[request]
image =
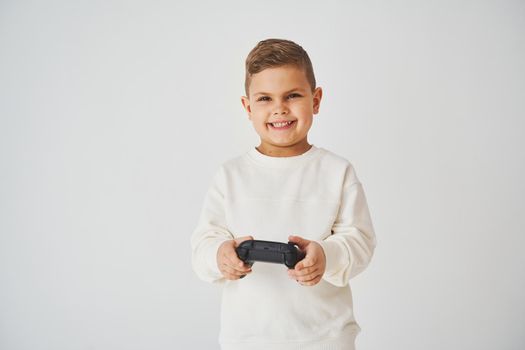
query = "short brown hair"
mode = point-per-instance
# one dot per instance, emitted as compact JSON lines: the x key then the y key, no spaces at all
{"x":271,"y":53}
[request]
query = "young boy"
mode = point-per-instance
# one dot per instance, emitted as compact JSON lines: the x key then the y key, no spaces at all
{"x":284,"y":190}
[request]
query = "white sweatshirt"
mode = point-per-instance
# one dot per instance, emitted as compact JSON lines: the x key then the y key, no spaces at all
{"x":315,"y":195}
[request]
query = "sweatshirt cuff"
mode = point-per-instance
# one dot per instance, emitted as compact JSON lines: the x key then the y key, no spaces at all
{"x":212,"y":257}
{"x":336,"y":256}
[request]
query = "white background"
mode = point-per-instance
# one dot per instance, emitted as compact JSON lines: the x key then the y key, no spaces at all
{"x":115,"y":115}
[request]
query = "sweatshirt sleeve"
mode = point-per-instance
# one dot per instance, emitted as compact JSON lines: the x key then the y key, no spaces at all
{"x":350,"y":247}
{"x":210,"y":233}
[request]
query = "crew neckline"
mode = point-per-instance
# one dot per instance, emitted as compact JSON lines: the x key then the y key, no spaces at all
{"x":282,"y":162}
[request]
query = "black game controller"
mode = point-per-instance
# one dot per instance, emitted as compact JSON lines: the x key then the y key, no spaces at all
{"x":273,"y":252}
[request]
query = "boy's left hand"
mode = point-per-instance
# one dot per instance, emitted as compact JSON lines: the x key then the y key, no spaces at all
{"x":310,"y":270}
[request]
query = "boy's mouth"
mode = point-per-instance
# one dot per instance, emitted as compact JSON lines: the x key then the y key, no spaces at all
{"x":282,"y":125}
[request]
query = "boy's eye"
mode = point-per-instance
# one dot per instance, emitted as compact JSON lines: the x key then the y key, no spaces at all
{"x":266,"y":98}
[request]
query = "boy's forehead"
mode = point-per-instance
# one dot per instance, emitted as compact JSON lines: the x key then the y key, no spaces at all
{"x":279,"y":80}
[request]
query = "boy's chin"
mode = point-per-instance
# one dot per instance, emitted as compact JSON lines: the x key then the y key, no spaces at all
{"x":279,"y":144}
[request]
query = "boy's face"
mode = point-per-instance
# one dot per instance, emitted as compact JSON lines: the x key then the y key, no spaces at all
{"x":281,"y":106}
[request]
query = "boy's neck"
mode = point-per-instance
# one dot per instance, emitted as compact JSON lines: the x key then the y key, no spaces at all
{"x":288,"y":151}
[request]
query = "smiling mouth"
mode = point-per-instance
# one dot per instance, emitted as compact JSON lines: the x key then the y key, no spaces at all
{"x":281,"y":125}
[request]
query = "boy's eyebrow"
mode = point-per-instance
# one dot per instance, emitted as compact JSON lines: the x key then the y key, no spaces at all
{"x":267,"y":93}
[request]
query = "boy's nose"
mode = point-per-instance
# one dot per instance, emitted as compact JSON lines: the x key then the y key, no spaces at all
{"x":280,"y":110}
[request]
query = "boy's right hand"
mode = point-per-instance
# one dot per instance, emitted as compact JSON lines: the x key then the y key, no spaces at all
{"x":231,"y":267}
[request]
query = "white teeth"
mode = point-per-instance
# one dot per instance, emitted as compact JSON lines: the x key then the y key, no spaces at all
{"x":280,"y":125}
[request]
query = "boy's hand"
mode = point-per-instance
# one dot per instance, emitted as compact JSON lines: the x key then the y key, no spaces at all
{"x":231,"y":267}
{"x":310,"y":270}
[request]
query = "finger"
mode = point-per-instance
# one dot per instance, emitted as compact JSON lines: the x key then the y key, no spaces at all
{"x":242,"y":239}
{"x":233,"y":257}
{"x":298,"y":271}
{"x":231,"y":277}
{"x":312,"y":282}
{"x":309,"y":277}
{"x":236,"y":263}
{"x":230,"y":258}
{"x":232,"y":271}
{"x":306,"y":271}
{"x":225,"y":272}
{"x":232,"y":274}
{"x":241,"y":269}
{"x":300,"y":241}
{"x":299,"y":266}
{"x":305,"y":263}
{"x":306,"y":277}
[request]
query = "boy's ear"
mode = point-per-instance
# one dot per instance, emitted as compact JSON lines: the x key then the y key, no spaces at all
{"x":317,"y":96}
{"x":246,"y":104}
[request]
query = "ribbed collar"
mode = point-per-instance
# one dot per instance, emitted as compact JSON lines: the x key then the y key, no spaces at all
{"x":283,"y":162}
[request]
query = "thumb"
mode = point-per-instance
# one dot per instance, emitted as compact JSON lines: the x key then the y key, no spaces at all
{"x":300,"y":241}
{"x":242,"y":239}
